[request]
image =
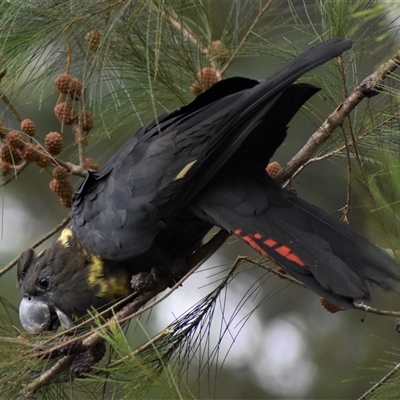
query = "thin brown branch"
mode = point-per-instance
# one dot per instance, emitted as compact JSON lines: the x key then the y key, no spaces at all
{"x":247,"y":34}
{"x":336,"y":151}
{"x":44,"y":379}
{"x":371,"y":310}
{"x":273,"y":270}
{"x":349,"y":192}
{"x":180,"y":26}
{"x":17,"y":169}
{"x":315,"y":159}
{"x":72,"y":168}
{"x":11,"y":106}
{"x":188,"y":33}
{"x":88,"y":15}
{"x":60,"y":226}
{"x":341,"y":148}
{"x":362,"y":307}
{"x":69,"y":57}
{"x":346,"y":208}
{"x":80,"y":139}
{"x":381,"y":382}
{"x":369,"y":87}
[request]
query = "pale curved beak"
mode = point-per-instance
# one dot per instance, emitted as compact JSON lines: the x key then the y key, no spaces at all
{"x":36,"y":316}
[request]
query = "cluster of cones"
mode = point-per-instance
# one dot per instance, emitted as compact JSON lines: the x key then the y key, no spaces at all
{"x":20,"y":146}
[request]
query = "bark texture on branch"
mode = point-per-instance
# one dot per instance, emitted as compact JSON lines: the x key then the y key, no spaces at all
{"x":369,"y":87}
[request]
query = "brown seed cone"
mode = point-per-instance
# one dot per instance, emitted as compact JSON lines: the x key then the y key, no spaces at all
{"x":93,"y":39}
{"x":218,"y":52}
{"x":206,"y":78}
{"x":83,"y":362}
{"x":9,"y":154}
{"x":68,"y":349}
{"x":43,"y":160}
{"x":75,"y":89}
{"x":28,"y":127}
{"x":54,"y":143}
{"x":5,"y":167}
{"x":88,"y":121}
{"x":89,"y":164}
{"x":196,"y":89}
{"x":14,"y":139}
{"x":66,"y":201}
{"x":63,"y":189}
{"x":329,"y":306}
{"x":29,"y":153}
{"x":64,"y":113}
{"x":62,"y":83}
{"x":5,"y":153}
{"x":60,"y":173}
{"x":273,"y":168}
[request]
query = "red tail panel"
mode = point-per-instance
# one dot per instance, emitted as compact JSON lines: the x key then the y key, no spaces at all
{"x":270,"y":248}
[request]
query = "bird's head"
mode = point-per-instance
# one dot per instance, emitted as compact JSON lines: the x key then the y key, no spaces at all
{"x":60,"y":284}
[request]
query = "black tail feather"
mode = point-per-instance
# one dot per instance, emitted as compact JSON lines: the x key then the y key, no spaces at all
{"x":311,"y":245}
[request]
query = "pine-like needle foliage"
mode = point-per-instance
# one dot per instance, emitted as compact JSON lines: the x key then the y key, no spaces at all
{"x":136,"y":59}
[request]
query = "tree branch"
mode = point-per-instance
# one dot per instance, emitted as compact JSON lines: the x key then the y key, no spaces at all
{"x":369,"y":87}
{"x":381,"y":382}
{"x":74,"y":169}
{"x":128,"y":312}
{"x":11,"y":106}
{"x":46,"y":377}
{"x":193,"y":263}
{"x":361,"y":307}
{"x":246,"y":36}
{"x":17,"y":169}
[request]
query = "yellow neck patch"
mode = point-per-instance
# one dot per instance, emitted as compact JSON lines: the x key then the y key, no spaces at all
{"x":110,"y":288}
{"x":66,"y":234}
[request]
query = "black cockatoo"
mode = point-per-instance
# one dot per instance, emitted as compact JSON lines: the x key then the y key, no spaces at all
{"x":199,"y":166}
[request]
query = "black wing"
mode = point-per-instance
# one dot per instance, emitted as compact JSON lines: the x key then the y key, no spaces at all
{"x":119,"y":211}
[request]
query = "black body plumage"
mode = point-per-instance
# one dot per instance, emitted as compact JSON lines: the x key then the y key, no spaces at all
{"x":119,"y":210}
{"x":204,"y":165}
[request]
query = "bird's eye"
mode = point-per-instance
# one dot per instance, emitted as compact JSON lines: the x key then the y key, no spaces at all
{"x":43,"y":283}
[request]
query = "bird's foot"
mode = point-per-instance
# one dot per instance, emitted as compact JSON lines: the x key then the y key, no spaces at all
{"x":144,"y":281}
{"x":167,"y":274}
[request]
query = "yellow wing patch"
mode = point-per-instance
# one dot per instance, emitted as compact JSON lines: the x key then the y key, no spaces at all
{"x":185,"y":170}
